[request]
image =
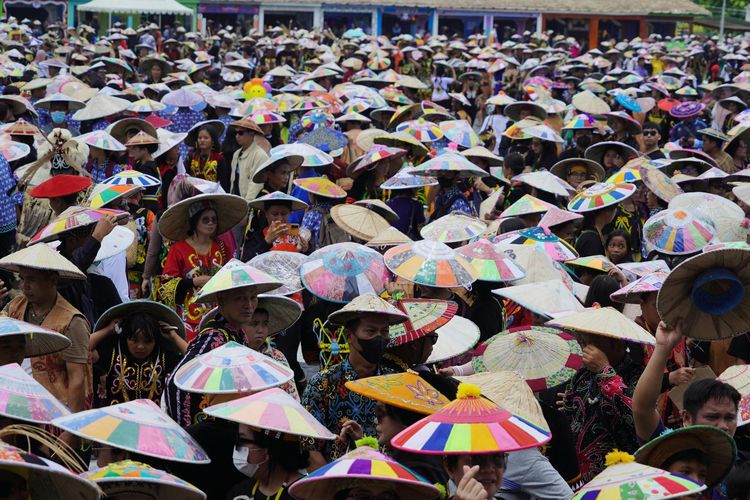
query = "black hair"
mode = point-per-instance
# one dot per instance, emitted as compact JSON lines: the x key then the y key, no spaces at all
{"x":273,"y":203}
{"x":11,"y":90}
{"x":511,"y":224}
{"x":193,"y":221}
{"x":701,"y":392}
{"x":602,"y":286}
{"x":686,"y":455}
{"x":140,"y":322}
{"x":215,"y":145}
{"x":738,"y":482}
{"x":652,"y":126}
{"x":287,"y":454}
{"x":622,"y":234}
{"x":401,"y":415}
{"x":515,"y":162}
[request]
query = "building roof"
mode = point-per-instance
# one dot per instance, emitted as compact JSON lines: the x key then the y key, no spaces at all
{"x":681,"y":8}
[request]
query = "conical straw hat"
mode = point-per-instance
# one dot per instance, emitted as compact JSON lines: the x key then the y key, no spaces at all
{"x":360,"y":222}
{"x":233,"y":275}
{"x":389,"y":237}
{"x":512,"y":392}
{"x":405,"y":390}
{"x":367,"y":303}
{"x":43,"y":258}
{"x":543,"y":298}
{"x":607,"y":322}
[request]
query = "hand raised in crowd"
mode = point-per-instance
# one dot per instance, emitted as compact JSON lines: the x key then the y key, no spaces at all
{"x":275,"y":230}
{"x":681,"y":376}
{"x":104,"y":227}
{"x":594,"y":358}
{"x":468,"y":487}
{"x":3,"y":291}
{"x":350,"y":431}
{"x":668,"y":336}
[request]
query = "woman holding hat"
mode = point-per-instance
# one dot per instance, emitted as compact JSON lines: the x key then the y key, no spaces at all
{"x":135,"y":346}
{"x":193,"y":225}
{"x":205,"y":160}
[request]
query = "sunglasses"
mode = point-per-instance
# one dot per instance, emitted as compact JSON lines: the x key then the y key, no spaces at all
{"x":650,"y":132}
{"x":239,"y":132}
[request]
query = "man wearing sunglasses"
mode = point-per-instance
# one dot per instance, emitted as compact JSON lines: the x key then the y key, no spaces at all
{"x":246,"y":159}
{"x":652,"y":140}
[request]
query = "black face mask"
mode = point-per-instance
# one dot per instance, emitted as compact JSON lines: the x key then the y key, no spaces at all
{"x":445,"y":182}
{"x":373,"y":349}
{"x":583,"y":141}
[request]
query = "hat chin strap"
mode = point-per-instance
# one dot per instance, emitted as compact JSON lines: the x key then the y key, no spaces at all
{"x":717,"y":291}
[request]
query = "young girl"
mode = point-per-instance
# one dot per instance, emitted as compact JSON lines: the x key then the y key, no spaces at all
{"x":277,"y":233}
{"x":617,"y":246}
{"x":135,"y":346}
{"x":205,"y":160}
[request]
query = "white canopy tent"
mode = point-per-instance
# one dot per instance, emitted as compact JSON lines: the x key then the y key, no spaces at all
{"x":136,"y":7}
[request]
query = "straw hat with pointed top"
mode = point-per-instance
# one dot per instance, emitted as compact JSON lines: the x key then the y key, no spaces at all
{"x":510,"y":390}
{"x":367,"y":303}
{"x":388,"y":238}
{"x":280,"y":198}
{"x":607,"y":322}
{"x":43,"y":258}
{"x":142,"y":139}
{"x":543,"y":298}
{"x":234,"y":275}
{"x":100,"y":106}
{"x":359,"y":221}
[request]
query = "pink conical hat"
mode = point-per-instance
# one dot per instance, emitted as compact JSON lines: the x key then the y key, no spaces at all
{"x":555,"y":216}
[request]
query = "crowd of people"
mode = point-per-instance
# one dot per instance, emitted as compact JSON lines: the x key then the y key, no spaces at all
{"x":292,"y":265}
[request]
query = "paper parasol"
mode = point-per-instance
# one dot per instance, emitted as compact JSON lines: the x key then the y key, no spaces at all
{"x":231,"y":369}
{"x":470,"y":425}
{"x":726,"y":215}
{"x":23,"y":398}
{"x":405,"y":390}
{"x":605,"y":321}
{"x":359,"y":221}
{"x":342,"y":271}
{"x":739,"y":377}
{"x":138,"y":426}
{"x":544,"y":357}
{"x":544,"y":298}
{"x":430,"y":263}
{"x":541,"y":238}
{"x":425,"y":316}
{"x":490,"y":263}
{"x":454,"y":338}
{"x":284,"y":267}
{"x":272,"y":410}
{"x":453,"y":227}
{"x":133,"y":177}
{"x":45,"y":478}
{"x":678,"y":231}
{"x":601,"y":195}
{"x":363,"y":467}
{"x":625,"y":479}
{"x":632,"y":293}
